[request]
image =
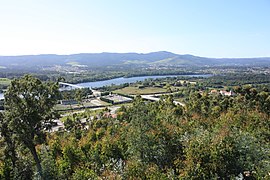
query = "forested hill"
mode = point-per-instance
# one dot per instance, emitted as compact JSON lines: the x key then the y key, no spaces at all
{"x":106,"y":59}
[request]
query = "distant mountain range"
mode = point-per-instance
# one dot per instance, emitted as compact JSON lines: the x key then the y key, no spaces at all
{"x":108,"y":59}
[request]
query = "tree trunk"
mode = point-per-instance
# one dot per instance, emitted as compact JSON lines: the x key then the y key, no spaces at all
{"x":13,"y":156}
{"x":37,"y":160}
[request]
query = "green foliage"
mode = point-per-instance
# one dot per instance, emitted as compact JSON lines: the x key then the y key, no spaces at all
{"x":48,"y":163}
{"x":29,"y":111}
{"x":77,"y":94}
{"x":211,"y":137}
{"x":84,"y":174}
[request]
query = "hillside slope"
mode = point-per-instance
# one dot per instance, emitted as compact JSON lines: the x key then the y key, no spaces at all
{"x":107,"y":59}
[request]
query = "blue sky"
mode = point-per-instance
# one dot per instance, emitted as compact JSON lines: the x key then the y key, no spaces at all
{"x":211,"y":28}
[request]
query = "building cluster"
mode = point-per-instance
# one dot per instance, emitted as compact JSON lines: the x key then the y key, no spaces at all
{"x":222,"y":92}
{"x":117,"y":99}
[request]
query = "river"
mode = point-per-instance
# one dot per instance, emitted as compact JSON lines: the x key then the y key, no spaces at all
{"x":122,"y":80}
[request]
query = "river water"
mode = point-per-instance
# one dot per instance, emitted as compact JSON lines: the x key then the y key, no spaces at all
{"x":122,"y":80}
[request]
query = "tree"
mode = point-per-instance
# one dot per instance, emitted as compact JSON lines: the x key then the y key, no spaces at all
{"x":79,"y":96}
{"x":29,"y":110}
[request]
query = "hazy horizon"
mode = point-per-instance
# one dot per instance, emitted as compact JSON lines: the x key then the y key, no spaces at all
{"x":251,"y":57}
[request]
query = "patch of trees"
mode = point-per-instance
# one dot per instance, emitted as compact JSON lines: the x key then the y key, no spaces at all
{"x":77,"y":94}
{"x":107,"y":100}
{"x":113,"y":87}
{"x":235,"y":79}
{"x":212,"y":137}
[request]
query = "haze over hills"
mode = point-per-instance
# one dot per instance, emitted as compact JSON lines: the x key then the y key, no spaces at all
{"x":108,"y":59}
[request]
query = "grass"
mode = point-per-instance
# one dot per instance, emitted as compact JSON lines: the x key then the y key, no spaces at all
{"x":60,"y":107}
{"x":137,"y":91}
{"x":175,"y":88}
{"x":5,"y":81}
{"x":75,"y":64}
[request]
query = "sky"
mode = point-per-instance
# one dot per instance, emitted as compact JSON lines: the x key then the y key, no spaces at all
{"x":208,"y":28}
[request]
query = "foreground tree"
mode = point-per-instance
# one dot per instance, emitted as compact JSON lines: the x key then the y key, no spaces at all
{"x":29,"y":110}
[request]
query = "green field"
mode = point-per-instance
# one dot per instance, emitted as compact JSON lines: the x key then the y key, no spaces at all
{"x":4,"y":81}
{"x":75,"y":64}
{"x":137,"y":91}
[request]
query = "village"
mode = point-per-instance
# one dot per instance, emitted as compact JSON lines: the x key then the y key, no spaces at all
{"x":106,"y":104}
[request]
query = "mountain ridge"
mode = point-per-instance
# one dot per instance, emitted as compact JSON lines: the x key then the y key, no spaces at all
{"x":108,"y":59}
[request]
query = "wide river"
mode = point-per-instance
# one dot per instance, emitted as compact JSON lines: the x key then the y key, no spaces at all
{"x":122,"y":80}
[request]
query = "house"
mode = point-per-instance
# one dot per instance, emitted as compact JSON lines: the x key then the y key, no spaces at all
{"x":226,"y":93}
{"x":222,"y":92}
{"x":213,"y":91}
{"x":108,"y":115}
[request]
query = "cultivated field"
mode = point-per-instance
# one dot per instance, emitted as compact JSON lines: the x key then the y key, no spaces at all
{"x":139,"y":91}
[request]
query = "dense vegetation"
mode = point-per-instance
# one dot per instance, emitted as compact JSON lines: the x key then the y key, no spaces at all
{"x":236,"y":79}
{"x":212,"y":137}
